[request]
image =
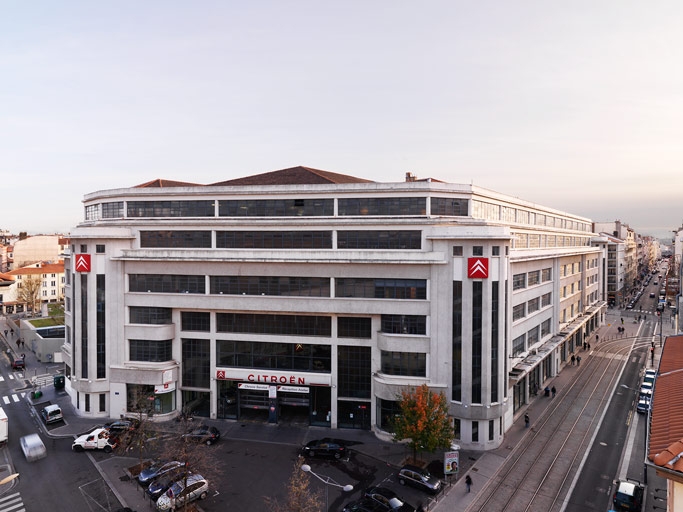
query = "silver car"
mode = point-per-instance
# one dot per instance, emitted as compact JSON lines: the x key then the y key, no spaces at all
{"x":197,"y":488}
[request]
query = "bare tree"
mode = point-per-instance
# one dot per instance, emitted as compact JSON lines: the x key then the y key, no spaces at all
{"x":300,"y":498}
{"x":29,"y":292}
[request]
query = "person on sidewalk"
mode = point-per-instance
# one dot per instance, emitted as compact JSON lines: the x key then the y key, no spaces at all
{"x":468,"y":482}
{"x":578,"y":360}
{"x":573,"y":359}
{"x":554,"y":391}
{"x":526,"y":420}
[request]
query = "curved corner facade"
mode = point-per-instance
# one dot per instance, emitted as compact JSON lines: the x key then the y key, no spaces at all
{"x":320,"y":303}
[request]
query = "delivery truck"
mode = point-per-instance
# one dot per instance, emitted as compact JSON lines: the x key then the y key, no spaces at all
{"x":4,"y":427}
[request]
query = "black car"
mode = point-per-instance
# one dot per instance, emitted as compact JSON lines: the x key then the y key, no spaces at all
{"x":326,"y":447}
{"x":123,"y":425}
{"x":202,"y":434}
{"x":419,"y":478}
{"x":157,"y":470}
{"x":161,"y":484}
{"x":365,"y":505}
{"x":388,"y":498}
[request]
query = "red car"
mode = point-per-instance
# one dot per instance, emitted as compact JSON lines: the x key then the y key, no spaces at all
{"x":18,"y":364}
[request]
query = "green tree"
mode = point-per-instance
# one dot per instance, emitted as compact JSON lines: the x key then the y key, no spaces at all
{"x":29,"y":293}
{"x":423,"y":420}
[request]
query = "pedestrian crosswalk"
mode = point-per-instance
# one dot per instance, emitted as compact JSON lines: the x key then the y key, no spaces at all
{"x":12,"y":502}
{"x":12,"y":376}
{"x":13,"y":398}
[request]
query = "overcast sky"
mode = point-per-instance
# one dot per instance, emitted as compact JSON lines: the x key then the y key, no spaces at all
{"x":573,"y":105}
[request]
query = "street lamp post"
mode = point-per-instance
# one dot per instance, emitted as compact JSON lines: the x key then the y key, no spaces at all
{"x":328,"y":482}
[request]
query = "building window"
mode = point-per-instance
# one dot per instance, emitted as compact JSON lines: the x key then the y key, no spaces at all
{"x":140,"y":398}
{"x":270,"y":285}
{"x":534,"y":278}
{"x":358,"y":206}
{"x":545,"y":328}
{"x":457,"y":250}
{"x":475,"y":431}
{"x":478,"y":250}
{"x":175,"y":239}
{"x":518,"y":281}
{"x":274,"y":239}
{"x":369,"y":288}
{"x":150,"y":315}
{"x":99,"y":248}
{"x":101,"y":322}
{"x":546,"y":274}
{"x":83,"y":248}
{"x":302,"y":357}
{"x":112,"y":210}
{"x":387,"y":411}
{"x":196,"y":363}
{"x":532,"y":336}
{"x":495,"y":321}
{"x":166,"y":283}
{"x":204,"y":208}
{"x":477,"y":340}
{"x":518,"y":345}
{"x":411,"y":364}
{"x":354,"y":327}
{"x":533,"y":305}
{"x":379,"y":240}
{"x":195,"y":321}
{"x":286,"y":325}
{"x":103,"y":402}
{"x":456,"y":342}
{"x":518,"y":311}
{"x":404,"y":324}
{"x":495,"y":250}
{"x":546,"y":299}
{"x":276,"y":208}
{"x":449,"y":207}
{"x":151,"y":351}
{"x":354,"y":371}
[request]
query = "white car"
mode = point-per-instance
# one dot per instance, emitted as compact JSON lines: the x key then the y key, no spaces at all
{"x":178,"y":493}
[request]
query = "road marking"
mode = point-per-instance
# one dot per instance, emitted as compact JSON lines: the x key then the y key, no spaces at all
{"x":11,"y":502}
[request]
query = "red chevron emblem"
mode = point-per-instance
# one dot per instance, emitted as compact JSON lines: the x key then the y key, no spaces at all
{"x":477,"y":268}
{"x":82,"y":263}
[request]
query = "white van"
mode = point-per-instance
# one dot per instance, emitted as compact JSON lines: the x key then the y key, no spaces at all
{"x":33,"y":447}
{"x":51,"y":414}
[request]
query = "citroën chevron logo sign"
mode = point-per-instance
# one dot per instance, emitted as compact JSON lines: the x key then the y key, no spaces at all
{"x":477,"y":268}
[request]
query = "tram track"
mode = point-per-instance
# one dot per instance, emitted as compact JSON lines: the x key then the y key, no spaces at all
{"x":536,"y":475}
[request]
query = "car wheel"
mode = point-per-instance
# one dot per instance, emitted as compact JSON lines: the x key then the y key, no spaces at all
{"x":107,"y":449}
{"x":203,"y":495}
{"x":209,"y":442}
{"x":78,"y":448}
{"x":337,"y":455}
{"x":401,"y":481}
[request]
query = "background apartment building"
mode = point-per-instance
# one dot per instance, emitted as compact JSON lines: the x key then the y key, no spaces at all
{"x":314,"y":297}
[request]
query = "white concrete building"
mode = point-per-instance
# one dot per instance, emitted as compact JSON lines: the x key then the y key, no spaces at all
{"x":310,"y":296}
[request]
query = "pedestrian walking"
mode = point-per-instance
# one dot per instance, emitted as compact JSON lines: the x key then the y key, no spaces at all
{"x":6,"y":331}
{"x":468,"y":482}
{"x":526,"y":420}
{"x":18,"y":343}
{"x":597,"y":338}
{"x":652,"y":355}
{"x":573,"y":359}
{"x":554,"y":391}
{"x":578,"y":360}
{"x":584,"y":345}
{"x":22,"y":343}
{"x":622,"y":320}
{"x":589,"y":346}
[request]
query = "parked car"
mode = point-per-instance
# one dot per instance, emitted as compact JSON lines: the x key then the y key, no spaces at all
{"x":326,"y":447}
{"x":122,"y":425}
{"x":365,"y":505}
{"x":419,"y":478}
{"x":389,"y":499}
{"x":202,"y":434}
{"x":162,"y":483}
{"x":18,"y":364}
{"x":643,"y":406}
{"x":157,"y":470}
{"x":652,"y":295}
{"x":179,"y":493}
{"x":51,"y":414}
{"x":628,"y":495}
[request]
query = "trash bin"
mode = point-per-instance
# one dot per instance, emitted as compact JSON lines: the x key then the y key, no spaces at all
{"x":37,"y":394}
{"x":58,"y":381}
